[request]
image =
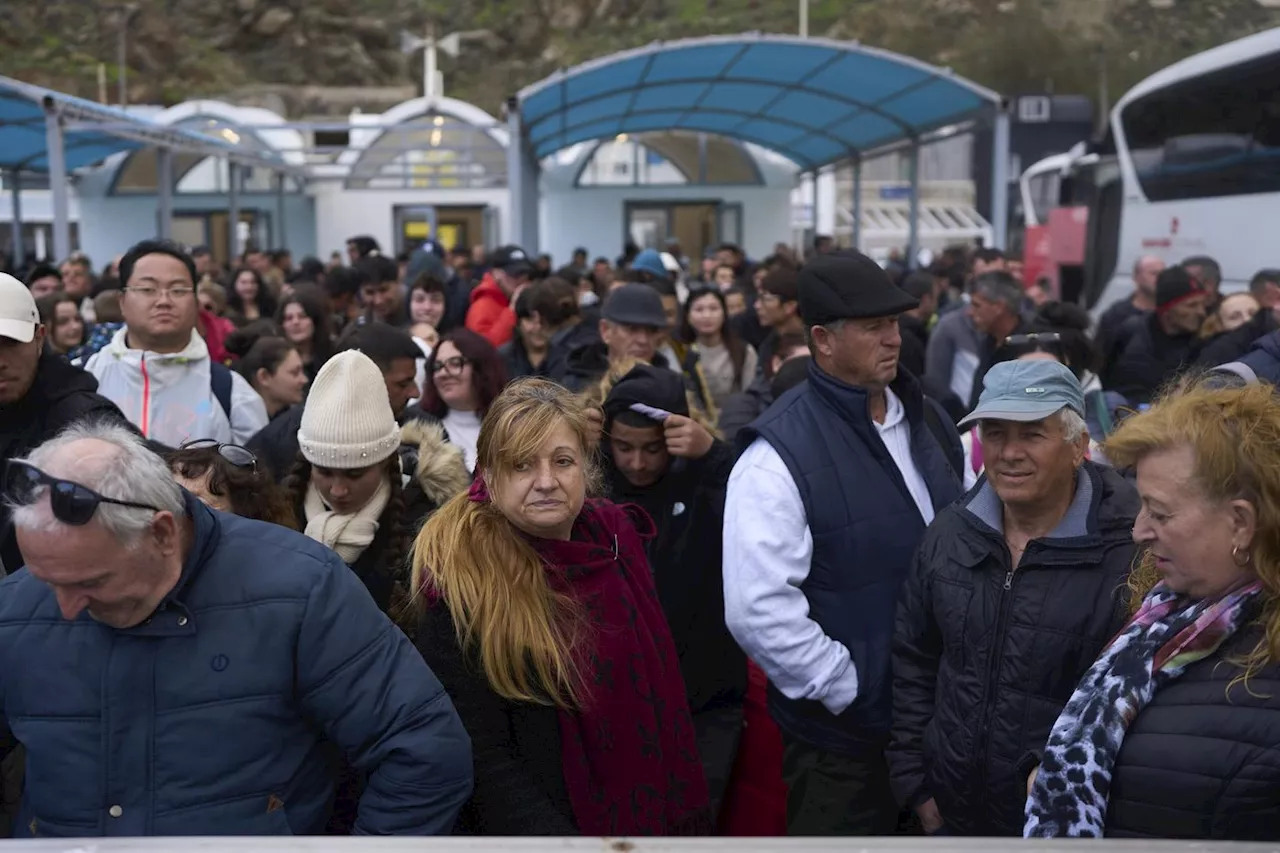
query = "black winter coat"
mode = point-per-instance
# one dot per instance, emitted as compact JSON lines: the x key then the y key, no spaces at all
{"x":60,"y":395}
{"x":519,"y":776}
{"x":1201,"y":760}
{"x":1149,"y":359}
{"x":687,"y":508}
{"x":744,"y":407}
{"x":985,"y":657}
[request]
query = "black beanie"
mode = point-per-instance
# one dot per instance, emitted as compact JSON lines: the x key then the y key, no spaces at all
{"x":1174,"y":285}
{"x":652,"y":386}
{"x":792,"y":372}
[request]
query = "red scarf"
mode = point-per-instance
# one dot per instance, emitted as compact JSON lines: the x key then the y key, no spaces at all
{"x":629,"y":755}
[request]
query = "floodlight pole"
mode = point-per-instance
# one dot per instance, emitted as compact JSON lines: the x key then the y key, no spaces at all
{"x":19,"y":249}
{"x":804,"y":19}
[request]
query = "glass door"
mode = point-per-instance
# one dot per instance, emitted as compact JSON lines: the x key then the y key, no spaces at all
{"x":414,"y":226}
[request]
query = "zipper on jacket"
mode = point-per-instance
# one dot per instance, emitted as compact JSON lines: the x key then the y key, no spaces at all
{"x":993,"y":669}
{"x":146,"y":399}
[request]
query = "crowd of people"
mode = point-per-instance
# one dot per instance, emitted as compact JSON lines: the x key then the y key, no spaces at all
{"x":460,"y":542}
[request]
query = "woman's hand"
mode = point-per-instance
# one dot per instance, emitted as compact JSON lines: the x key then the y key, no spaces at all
{"x":930,"y":818}
{"x":596,"y":417}
{"x":1031,"y":780}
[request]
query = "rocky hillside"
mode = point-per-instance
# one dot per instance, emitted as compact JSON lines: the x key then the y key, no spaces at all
{"x":178,"y":49}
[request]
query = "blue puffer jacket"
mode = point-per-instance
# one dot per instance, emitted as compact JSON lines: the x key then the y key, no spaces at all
{"x":220,"y":714}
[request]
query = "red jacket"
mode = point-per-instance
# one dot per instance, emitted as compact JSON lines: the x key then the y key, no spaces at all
{"x":490,"y":314}
{"x":214,"y":330}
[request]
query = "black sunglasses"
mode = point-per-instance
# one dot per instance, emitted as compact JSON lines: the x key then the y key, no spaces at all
{"x":71,"y":502}
{"x":241,"y":457}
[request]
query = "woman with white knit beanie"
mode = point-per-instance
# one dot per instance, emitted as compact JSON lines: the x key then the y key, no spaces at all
{"x":350,"y":488}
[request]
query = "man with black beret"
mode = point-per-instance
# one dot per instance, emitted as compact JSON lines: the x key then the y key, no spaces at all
{"x":833,"y":491}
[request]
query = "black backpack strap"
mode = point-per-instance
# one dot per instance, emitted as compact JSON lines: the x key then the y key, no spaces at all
{"x":948,"y":439}
{"x":220,"y":383}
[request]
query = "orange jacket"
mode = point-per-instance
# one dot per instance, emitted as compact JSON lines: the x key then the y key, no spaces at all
{"x":490,"y":314}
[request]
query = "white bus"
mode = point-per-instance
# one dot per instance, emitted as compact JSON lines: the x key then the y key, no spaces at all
{"x":1190,"y":166}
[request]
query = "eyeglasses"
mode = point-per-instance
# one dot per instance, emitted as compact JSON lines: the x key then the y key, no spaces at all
{"x":241,"y":457}
{"x":453,"y":366}
{"x":71,"y":502}
{"x":180,"y":291}
{"x":1033,"y":338}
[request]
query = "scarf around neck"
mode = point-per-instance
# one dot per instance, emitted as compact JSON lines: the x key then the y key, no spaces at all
{"x":351,"y":534}
{"x":1168,"y":633}
{"x":629,"y":754}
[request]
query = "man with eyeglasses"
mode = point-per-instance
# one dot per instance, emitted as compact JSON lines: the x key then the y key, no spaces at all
{"x":157,"y":369}
{"x":174,"y":670}
{"x":40,"y":393}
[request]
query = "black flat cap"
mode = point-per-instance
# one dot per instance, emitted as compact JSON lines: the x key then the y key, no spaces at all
{"x":635,"y":304}
{"x":847,"y":285}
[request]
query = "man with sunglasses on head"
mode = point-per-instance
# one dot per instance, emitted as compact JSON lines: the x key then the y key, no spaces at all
{"x":40,"y":393}
{"x":174,"y":670}
{"x":157,"y":369}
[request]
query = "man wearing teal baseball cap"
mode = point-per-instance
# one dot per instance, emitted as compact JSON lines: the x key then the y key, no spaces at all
{"x":1014,"y":590}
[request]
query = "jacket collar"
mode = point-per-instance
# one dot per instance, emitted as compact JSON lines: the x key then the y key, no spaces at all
{"x":853,"y":403}
{"x":1101,"y":513}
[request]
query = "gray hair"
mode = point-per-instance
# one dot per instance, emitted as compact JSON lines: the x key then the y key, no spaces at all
{"x":833,"y":327}
{"x":1073,"y":425}
{"x":999,"y":286}
{"x":133,"y":473}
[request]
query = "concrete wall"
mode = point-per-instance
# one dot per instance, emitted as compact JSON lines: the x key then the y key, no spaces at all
{"x":594,"y":217}
{"x":346,"y":213}
{"x":111,"y":224}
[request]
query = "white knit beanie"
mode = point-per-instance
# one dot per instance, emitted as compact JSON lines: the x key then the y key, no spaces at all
{"x":347,"y":422}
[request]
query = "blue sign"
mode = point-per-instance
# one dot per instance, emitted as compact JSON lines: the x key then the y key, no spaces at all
{"x":895,"y":193}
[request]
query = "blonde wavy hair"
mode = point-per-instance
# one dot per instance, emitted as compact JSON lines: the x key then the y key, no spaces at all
{"x":1234,"y":434}
{"x":488,"y":575}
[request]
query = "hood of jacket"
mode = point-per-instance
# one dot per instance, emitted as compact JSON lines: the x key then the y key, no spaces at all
{"x":439,"y":467}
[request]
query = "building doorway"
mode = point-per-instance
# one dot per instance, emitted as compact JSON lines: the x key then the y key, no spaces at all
{"x":697,"y":225}
{"x":448,"y":225}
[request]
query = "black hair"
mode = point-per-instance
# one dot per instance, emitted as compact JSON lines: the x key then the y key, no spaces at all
{"x":155,"y":247}
{"x":378,"y":269}
{"x":383,"y":343}
{"x":239,"y":342}
{"x":919,"y":284}
{"x":988,"y":255}
{"x":40,"y":271}
{"x":521,"y":306}
{"x":664,"y":286}
{"x":1211,"y":267}
{"x":365,"y":245}
{"x":734,"y":344}
{"x":601,"y":260}
{"x":266,"y":301}
{"x":782,"y":282}
{"x":427,"y":283}
{"x":554,"y":299}
{"x":1074,"y":348}
{"x":311,"y":299}
{"x":344,"y":281}
{"x":1262,"y":278}
{"x":267,"y":353}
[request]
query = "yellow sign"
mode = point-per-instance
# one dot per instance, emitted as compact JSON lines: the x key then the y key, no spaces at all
{"x":417,"y":230}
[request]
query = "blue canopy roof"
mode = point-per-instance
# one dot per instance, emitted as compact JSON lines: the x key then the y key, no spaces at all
{"x":93,"y":132}
{"x":815,"y":101}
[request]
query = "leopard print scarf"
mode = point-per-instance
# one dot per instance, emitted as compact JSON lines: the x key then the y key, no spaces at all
{"x":1169,"y":632}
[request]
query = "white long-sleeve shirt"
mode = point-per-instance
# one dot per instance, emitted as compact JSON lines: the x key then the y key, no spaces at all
{"x":768,"y":549}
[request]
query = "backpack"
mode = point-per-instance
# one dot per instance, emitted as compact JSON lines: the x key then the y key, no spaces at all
{"x":220,"y":384}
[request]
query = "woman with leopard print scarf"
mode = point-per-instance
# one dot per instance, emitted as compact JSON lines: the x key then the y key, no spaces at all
{"x":1173,"y":732}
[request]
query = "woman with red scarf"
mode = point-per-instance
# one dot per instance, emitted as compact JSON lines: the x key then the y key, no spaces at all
{"x":538,"y":613}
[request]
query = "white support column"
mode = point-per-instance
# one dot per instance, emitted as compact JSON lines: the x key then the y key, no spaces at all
{"x":913,"y":239}
{"x":1000,"y":153}
{"x":857,"y":203}
{"x":164,"y":185}
{"x":515,"y":172}
{"x":282,"y":239}
{"x":233,"y":212}
{"x":57,"y":181}
{"x":19,"y":248}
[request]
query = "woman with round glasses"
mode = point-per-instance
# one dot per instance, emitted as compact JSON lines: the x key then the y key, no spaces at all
{"x":467,"y":374}
{"x":227,"y":477}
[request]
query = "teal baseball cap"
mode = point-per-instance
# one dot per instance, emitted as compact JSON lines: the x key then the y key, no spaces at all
{"x":1026,"y":390}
